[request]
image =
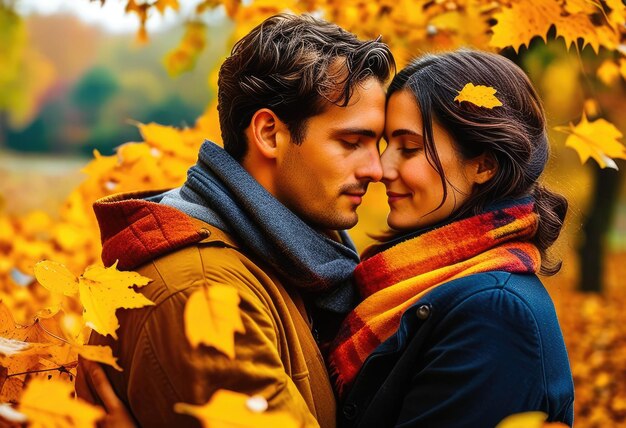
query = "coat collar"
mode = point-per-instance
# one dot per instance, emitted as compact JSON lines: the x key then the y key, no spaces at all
{"x":135,"y":231}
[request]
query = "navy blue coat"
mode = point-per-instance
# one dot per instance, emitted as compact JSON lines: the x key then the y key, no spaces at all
{"x":468,"y":354}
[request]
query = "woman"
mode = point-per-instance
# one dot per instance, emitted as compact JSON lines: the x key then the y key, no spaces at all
{"x":455,"y":328}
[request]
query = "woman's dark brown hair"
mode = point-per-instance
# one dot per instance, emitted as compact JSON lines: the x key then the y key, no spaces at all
{"x":514,"y":135}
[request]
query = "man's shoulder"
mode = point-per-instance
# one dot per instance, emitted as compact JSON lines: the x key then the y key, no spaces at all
{"x":217,"y":259}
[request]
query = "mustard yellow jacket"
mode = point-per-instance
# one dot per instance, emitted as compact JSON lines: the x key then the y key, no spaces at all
{"x":277,"y":356}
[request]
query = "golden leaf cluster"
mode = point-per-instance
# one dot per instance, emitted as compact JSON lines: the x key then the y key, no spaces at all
{"x":46,"y":312}
{"x":594,"y":328}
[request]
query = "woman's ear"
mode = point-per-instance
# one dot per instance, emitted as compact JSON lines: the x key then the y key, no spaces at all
{"x":266,"y":131}
{"x":485,"y":167}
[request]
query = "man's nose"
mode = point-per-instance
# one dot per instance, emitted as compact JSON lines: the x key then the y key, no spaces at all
{"x":371,"y":168}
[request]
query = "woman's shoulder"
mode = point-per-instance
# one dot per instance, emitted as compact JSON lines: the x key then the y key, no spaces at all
{"x":484,"y":286}
{"x":519,"y":300}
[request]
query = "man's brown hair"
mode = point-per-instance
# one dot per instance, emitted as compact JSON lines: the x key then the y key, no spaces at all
{"x":293,"y":65}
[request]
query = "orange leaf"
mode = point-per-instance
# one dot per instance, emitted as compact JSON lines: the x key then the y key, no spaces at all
{"x":229,"y":409}
{"x":482,"y":96}
{"x":212,"y":318}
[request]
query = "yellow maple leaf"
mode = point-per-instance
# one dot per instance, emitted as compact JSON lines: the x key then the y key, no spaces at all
{"x":482,"y":96}
{"x":597,"y":139}
{"x":98,"y":353}
{"x":523,"y":420}
{"x":212,"y":318}
{"x":230,"y":409}
{"x":522,"y":21}
{"x":104,"y":290}
{"x":617,"y":16}
{"x":56,"y":278}
{"x":518,"y":24}
{"x":49,"y":404}
{"x":579,"y":25}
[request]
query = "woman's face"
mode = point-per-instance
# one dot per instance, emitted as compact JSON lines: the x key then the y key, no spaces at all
{"x":414,"y":187}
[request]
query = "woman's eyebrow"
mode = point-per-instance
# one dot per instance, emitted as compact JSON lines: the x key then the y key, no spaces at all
{"x":400,"y":132}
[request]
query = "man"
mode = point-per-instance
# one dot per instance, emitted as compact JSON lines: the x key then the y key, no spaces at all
{"x":301,"y":107}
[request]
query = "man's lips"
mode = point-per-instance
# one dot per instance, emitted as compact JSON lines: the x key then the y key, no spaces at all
{"x":356,"y":197}
{"x":393,"y":196}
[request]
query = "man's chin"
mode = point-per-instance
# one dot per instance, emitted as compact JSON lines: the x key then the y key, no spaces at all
{"x":347,"y":221}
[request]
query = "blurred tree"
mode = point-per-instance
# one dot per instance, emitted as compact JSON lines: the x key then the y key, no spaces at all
{"x":25,"y":74}
{"x":95,"y":89}
{"x":596,"y":227}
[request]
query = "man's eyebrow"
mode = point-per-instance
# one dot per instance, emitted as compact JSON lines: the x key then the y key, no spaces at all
{"x":355,"y":131}
{"x":400,"y":132}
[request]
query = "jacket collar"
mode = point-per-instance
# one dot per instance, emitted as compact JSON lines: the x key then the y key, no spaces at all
{"x":135,"y":231}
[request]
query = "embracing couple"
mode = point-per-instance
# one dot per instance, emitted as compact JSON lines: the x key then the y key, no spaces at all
{"x":442,"y":323}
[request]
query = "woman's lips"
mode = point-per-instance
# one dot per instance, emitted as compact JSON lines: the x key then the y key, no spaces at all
{"x":393,"y":196}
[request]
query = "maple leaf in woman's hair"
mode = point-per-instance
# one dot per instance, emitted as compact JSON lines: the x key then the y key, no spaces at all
{"x":482,"y":96}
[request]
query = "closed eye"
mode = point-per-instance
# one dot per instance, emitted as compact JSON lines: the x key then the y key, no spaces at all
{"x":352,"y":145}
{"x":410,"y":150}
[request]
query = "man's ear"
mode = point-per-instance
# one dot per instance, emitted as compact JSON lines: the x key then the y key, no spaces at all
{"x":266,"y":131}
{"x":485,"y":167}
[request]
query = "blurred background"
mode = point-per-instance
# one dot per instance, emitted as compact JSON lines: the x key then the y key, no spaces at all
{"x":80,"y":78}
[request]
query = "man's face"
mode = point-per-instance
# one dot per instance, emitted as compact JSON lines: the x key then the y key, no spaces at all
{"x":323,"y":180}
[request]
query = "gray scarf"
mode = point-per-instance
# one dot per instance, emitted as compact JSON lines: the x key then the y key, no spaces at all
{"x":220,"y":192}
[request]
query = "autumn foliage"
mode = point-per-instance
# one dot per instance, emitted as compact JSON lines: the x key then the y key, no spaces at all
{"x":53,"y":290}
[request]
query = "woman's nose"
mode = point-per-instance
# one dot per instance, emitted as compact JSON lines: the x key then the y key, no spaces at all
{"x":389,"y":165}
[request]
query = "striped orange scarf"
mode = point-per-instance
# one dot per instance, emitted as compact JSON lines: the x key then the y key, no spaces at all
{"x":394,"y":279}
